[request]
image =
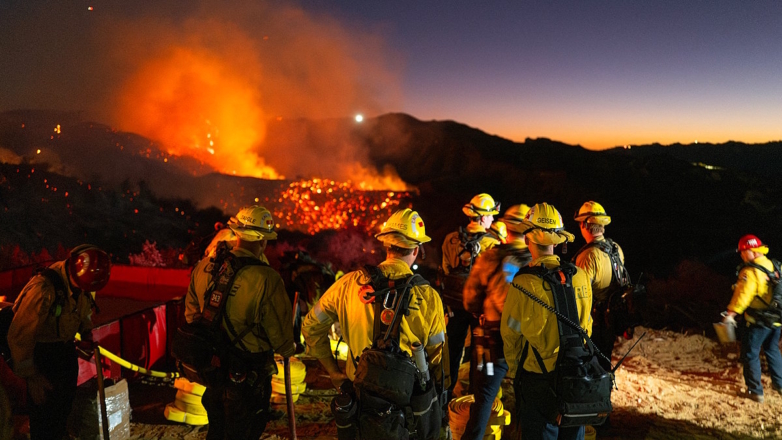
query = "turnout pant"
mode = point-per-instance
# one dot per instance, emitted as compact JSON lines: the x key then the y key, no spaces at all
{"x":753,"y":339}
{"x":57,"y":362}
{"x":457,"y":328}
{"x":602,"y":335}
{"x":238,"y":411}
{"x":485,"y":390}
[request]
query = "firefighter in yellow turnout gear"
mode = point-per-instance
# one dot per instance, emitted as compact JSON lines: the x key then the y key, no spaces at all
{"x":346,"y":302}
{"x":530,"y":333}
{"x":484,"y":296}
{"x":257,"y":308}
{"x":481,"y":211}
{"x":460,"y":248}
{"x":597,"y":265}
{"x":752,"y":296}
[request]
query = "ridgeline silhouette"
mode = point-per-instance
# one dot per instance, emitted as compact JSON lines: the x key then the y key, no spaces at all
{"x":677,"y":211}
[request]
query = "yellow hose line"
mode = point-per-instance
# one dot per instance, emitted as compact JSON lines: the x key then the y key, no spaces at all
{"x":129,"y":366}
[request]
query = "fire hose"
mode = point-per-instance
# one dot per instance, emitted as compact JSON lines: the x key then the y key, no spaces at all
{"x":132,"y":367}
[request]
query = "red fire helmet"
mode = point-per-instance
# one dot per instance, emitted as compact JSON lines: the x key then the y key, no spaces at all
{"x":89,"y":267}
{"x":749,"y":241}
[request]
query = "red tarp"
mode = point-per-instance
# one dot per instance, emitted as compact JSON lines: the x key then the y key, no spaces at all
{"x":137,"y":307}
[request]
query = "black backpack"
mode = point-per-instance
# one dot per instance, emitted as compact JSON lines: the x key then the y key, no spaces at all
{"x":392,"y":402}
{"x":60,"y":299}
{"x":202,"y":347}
{"x":452,"y":285}
{"x":770,"y":317}
{"x":578,"y":391}
{"x":625,"y":300}
{"x":620,"y":278}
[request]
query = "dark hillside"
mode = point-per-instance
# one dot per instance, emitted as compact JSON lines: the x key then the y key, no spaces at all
{"x":764,"y":159}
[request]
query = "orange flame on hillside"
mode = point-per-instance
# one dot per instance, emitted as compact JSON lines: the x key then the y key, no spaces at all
{"x":196,"y":106}
{"x":211,"y":85}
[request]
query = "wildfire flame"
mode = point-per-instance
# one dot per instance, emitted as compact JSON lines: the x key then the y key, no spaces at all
{"x":210,"y":86}
{"x":194,"y":104}
{"x":320,"y":204}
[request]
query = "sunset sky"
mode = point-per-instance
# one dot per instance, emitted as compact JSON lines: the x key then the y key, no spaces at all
{"x":594,"y":73}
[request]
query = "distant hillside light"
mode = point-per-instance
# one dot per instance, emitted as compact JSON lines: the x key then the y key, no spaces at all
{"x":359,"y":118}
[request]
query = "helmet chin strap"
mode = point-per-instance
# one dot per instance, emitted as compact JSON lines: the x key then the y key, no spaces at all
{"x":423,"y":251}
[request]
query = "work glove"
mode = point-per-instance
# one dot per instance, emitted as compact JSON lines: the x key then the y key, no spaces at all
{"x":728,"y":319}
{"x":86,"y":348}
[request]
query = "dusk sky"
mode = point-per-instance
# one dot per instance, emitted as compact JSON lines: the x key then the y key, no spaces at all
{"x":594,"y":73}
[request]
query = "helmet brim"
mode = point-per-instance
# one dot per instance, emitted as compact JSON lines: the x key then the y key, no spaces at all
{"x":592,"y":218}
{"x":548,"y":237}
{"x":246,"y":234}
{"x":399,"y":240}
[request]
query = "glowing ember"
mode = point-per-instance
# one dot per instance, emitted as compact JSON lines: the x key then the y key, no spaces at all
{"x":320,"y":204}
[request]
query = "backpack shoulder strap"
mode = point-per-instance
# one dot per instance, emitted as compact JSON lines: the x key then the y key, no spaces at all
{"x":390,"y":299}
{"x":565,"y":307}
{"x":469,"y":242}
{"x":54,"y":278}
{"x":60,"y":294}
{"x":770,"y":273}
{"x":216,"y":296}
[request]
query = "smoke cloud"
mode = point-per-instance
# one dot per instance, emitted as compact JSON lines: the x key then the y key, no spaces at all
{"x":205,"y":78}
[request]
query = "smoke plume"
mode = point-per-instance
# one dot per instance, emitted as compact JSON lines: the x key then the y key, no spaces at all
{"x":205,"y":78}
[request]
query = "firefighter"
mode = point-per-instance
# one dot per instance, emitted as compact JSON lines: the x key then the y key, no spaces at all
{"x":751,"y":295}
{"x":53,"y":306}
{"x":484,"y":296}
{"x":596,"y":263}
{"x":257,"y":308}
{"x":344,"y":302}
{"x":460,"y":248}
{"x":308,"y":278}
{"x":528,"y":329}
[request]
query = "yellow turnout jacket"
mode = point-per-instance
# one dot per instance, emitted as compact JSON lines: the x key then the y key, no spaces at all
{"x":526,"y":322}
{"x":257,"y":299}
{"x":342,"y":303}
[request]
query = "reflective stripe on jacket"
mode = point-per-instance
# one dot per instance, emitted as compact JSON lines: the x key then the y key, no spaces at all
{"x":257,"y":299}
{"x":34,"y":320}
{"x":524,"y":321}
{"x":342,"y":303}
{"x":597,"y":266}
{"x":752,"y":283}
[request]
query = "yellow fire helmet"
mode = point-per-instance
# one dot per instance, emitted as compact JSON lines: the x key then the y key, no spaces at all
{"x":404,"y":229}
{"x":592,"y":212}
{"x":514,"y":216}
{"x":482,"y":204}
{"x":253,"y":223}
{"x":543,"y":225}
{"x":500,"y":230}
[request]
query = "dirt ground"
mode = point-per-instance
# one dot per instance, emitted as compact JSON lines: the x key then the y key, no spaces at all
{"x":672,"y":386}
